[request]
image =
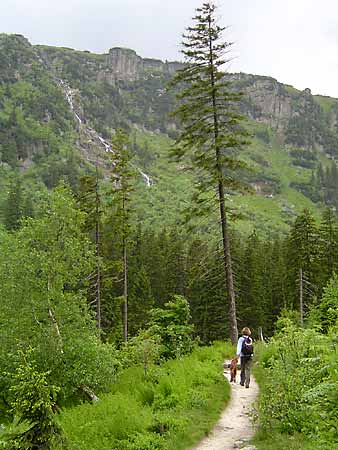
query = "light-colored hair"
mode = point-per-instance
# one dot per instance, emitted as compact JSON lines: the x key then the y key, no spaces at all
{"x":246,"y":331}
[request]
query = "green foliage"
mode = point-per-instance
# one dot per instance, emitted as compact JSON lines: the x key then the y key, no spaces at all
{"x":14,"y":208}
{"x":171,"y":325}
{"x":170,"y":409}
{"x":302,"y":253}
{"x":144,"y":349}
{"x":299,"y":386}
{"x":38,"y":134}
{"x":325,"y":183}
{"x":325,"y":315}
{"x":33,"y":402}
{"x":212,"y":135}
{"x":44,"y":270}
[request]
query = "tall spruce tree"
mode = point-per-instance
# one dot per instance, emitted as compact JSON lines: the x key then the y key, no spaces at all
{"x":13,"y":208}
{"x":122,"y":179}
{"x":211,"y":135}
{"x":302,"y":255}
{"x":90,"y":202}
{"x":328,"y":246}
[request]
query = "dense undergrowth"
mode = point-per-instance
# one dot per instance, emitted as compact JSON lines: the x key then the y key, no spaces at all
{"x":170,"y":408}
{"x":298,"y":378}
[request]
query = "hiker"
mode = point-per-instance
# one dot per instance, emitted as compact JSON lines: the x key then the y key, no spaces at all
{"x":245,"y":352}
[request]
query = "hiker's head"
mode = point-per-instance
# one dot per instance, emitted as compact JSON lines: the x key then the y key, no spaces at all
{"x":246,"y":331}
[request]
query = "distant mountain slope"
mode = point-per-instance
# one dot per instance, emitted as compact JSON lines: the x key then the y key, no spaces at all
{"x":60,"y":107}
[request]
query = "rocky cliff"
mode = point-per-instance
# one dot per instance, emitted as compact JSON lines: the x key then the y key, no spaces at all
{"x":297,"y":117}
{"x":119,"y":64}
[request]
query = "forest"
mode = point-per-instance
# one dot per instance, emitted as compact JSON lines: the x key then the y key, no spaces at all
{"x":115,"y":327}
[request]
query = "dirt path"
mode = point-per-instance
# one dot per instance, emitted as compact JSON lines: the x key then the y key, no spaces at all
{"x":234,"y":428}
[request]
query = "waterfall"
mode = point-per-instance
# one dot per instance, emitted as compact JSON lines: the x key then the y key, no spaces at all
{"x":148,"y":180}
{"x":69,"y":95}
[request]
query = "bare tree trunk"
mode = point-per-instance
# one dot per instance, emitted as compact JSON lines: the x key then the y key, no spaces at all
{"x":125,"y":282}
{"x":56,"y":327}
{"x":227,"y":262}
{"x":301,"y":302}
{"x":125,"y":295}
{"x":260,"y":334}
{"x":53,"y":319}
{"x":90,"y":394}
{"x":51,"y":315}
{"x":98,"y":262}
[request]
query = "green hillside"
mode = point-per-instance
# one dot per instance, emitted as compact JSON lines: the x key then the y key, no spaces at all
{"x":60,"y":107}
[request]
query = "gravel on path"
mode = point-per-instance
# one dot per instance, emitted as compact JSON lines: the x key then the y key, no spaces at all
{"x":235,"y":427}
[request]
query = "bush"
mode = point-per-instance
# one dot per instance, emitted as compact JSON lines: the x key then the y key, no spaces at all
{"x":171,"y":326}
{"x":170,"y":408}
{"x":34,"y":425}
{"x":298,"y":375}
{"x":327,"y":311}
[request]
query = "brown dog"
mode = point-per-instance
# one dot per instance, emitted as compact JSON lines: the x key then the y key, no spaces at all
{"x":233,"y":370}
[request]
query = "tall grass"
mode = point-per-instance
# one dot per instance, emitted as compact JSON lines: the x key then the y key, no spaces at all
{"x":170,"y":409}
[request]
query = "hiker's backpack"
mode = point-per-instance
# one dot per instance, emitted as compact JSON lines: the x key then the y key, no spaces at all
{"x":247,"y":346}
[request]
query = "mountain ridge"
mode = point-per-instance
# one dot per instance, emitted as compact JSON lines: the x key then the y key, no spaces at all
{"x":82,"y":98}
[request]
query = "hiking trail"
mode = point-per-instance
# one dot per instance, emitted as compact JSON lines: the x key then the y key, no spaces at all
{"x":234,"y":428}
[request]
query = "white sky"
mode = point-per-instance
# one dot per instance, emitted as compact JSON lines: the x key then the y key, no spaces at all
{"x":295,"y":41}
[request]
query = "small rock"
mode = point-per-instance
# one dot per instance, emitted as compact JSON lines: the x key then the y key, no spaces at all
{"x":250,"y":447}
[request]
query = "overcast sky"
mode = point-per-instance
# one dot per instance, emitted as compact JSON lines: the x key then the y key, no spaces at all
{"x":295,"y":41}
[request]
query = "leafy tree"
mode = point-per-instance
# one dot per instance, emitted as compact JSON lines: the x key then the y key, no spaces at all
{"x":144,"y":349}
{"x":154,"y":251}
{"x":44,"y":270}
{"x":252,"y":301}
{"x":205,"y":292}
{"x":211,"y":135}
{"x":277,"y":280}
{"x":171,"y":324}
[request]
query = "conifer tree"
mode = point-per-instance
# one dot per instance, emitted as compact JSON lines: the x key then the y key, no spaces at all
{"x":251,"y":299}
{"x":140,"y":298}
{"x":154,"y":250}
{"x":13,"y":209}
{"x":211,"y":134}
{"x":328,"y":245}
{"x":90,"y":202}
{"x":122,"y":180}
{"x":303,"y":256}
{"x":277,"y":276}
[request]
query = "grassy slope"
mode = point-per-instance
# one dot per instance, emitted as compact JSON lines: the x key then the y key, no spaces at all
{"x":163,"y":202}
{"x":171,"y":409}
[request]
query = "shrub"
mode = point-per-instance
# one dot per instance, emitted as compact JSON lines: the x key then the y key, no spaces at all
{"x":34,"y":425}
{"x":299,"y":385}
{"x":171,"y":326}
{"x":170,"y":408}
